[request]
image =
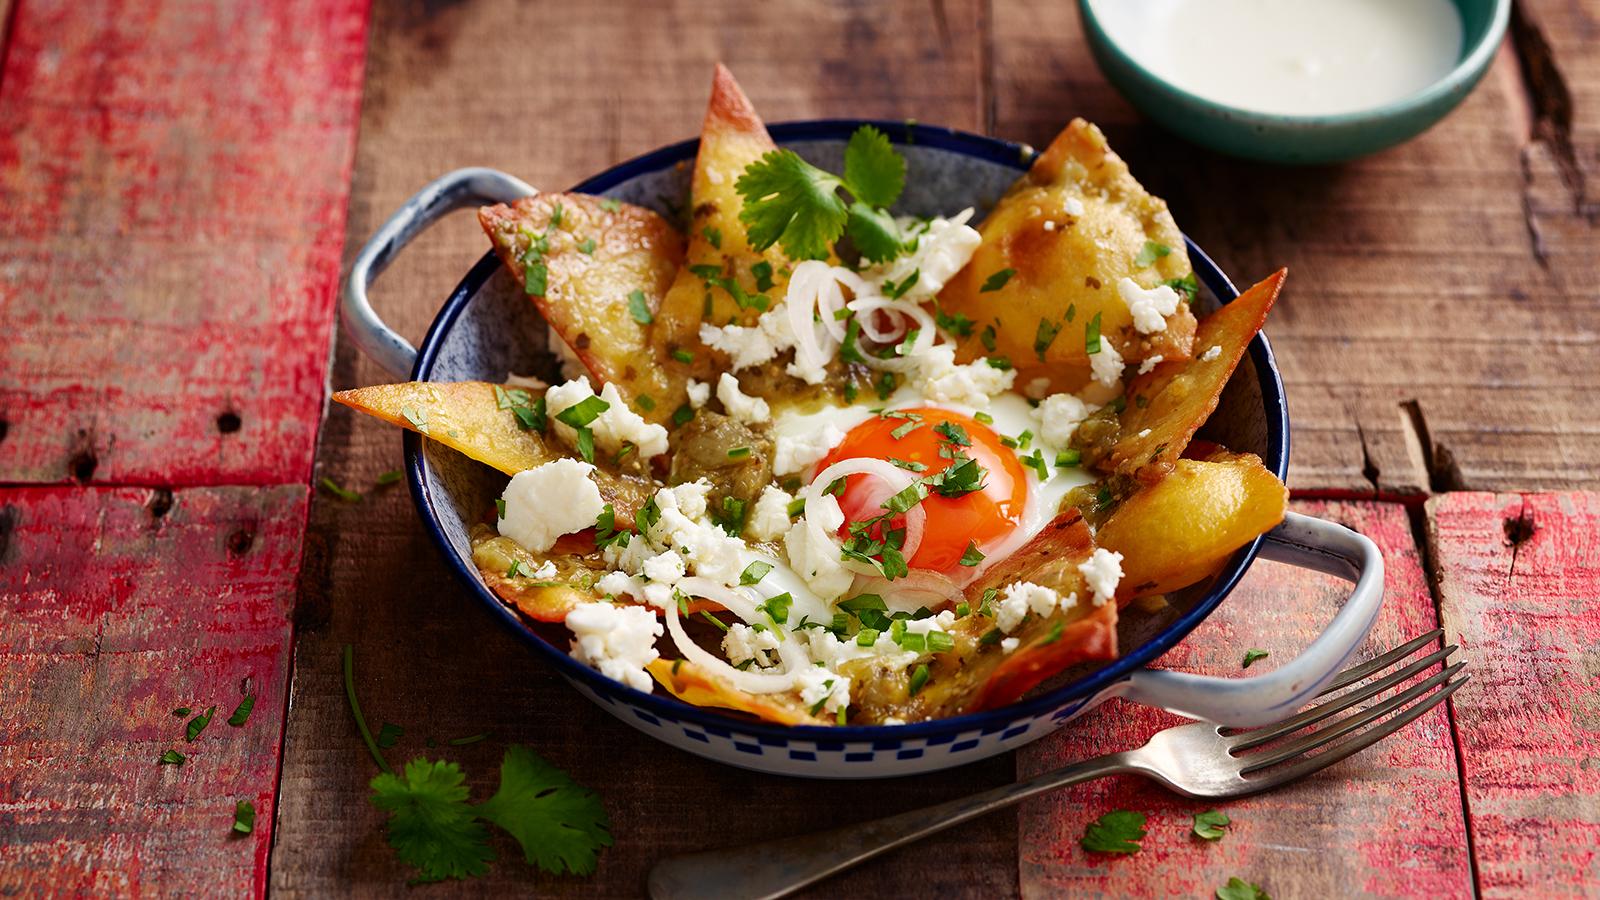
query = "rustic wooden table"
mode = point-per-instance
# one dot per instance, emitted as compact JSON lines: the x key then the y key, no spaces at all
{"x":179,"y":182}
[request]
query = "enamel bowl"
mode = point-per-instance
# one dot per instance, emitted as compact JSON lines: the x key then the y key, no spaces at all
{"x":487,"y":328}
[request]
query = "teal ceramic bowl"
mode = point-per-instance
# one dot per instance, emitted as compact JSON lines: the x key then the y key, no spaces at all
{"x":1274,"y":137}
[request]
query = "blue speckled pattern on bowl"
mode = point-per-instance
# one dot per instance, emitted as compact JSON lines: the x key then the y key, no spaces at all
{"x":487,"y":328}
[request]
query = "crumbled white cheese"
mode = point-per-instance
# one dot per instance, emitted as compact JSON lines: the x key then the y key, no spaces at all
{"x":620,"y":584}
{"x":712,"y":552}
{"x":572,"y":368}
{"x":1149,"y":306}
{"x":1073,"y":206}
{"x":699,"y":393}
{"x":628,"y":553}
{"x":743,"y":642}
{"x":941,"y":251}
{"x":819,"y":685}
{"x":525,"y":381}
{"x":618,"y":641}
{"x":942,"y":381}
{"x":753,"y":345}
{"x":800,"y":452}
{"x":1213,"y":353}
{"x":828,"y":649}
{"x":690,"y":498}
{"x":1008,"y":645}
{"x":1106,"y":366}
{"x":769,"y":519}
{"x":664,"y":567}
{"x":1037,"y":389}
{"x":1150,"y":362}
{"x":818,"y":561}
{"x":1102,"y":570}
{"x":618,"y":425}
{"x":893,"y":720}
{"x":548,"y":501}
{"x":1144,"y":433}
{"x":940,"y":622}
{"x":545,"y":572}
{"x":739,"y":405}
{"x":1059,"y":416}
{"x":1020,"y":598}
{"x":1049,"y":225}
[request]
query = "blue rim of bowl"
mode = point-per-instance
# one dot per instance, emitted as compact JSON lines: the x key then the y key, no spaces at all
{"x":1472,"y":65}
{"x":1015,"y":155}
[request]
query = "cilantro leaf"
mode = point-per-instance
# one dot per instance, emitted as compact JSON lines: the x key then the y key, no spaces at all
{"x":560,"y":824}
{"x":431,"y":826}
{"x":198,"y":724}
{"x":244,"y":817}
{"x":789,"y":201}
{"x":996,"y":281}
{"x":389,"y":735}
{"x":1118,"y":831}
{"x":172,"y":758}
{"x":874,"y":232}
{"x":1252,"y":655}
{"x":639,"y":308}
{"x":873,"y":171}
{"x":1208,"y":825}
{"x":1150,"y":252}
{"x":1239,"y":889}
{"x":241,"y":713}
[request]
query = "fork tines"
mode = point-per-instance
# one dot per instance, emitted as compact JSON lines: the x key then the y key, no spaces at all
{"x":1292,"y":755}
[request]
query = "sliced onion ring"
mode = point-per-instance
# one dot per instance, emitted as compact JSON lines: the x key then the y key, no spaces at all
{"x":752,"y":682}
{"x":897,"y":478}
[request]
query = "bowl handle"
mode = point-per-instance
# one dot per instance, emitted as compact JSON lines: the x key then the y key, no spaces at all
{"x":456,"y":190}
{"x":1248,"y":702}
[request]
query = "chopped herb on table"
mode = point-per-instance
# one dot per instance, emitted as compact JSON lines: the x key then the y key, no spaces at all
{"x":1118,"y":831}
{"x":1251,"y":655}
{"x":1239,"y":889}
{"x":172,"y":758}
{"x":198,"y":724}
{"x":241,"y":713}
{"x":244,"y":817}
{"x":1209,"y":825}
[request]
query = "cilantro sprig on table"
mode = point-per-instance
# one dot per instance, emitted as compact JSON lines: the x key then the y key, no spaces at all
{"x":560,"y":825}
{"x":790,"y":202}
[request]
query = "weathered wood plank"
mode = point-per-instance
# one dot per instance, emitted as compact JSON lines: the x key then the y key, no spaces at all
{"x":173,"y":178}
{"x":116,"y":607}
{"x":632,"y":77}
{"x":1520,"y":582}
{"x":1387,"y":822}
{"x":1433,"y":288}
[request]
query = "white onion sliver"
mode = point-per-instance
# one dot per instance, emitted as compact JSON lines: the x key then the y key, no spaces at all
{"x":898,"y":478}
{"x":938,"y":588}
{"x":751,"y":682}
{"x":925,"y":331}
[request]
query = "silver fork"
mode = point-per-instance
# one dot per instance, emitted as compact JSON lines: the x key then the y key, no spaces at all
{"x":1198,"y":760}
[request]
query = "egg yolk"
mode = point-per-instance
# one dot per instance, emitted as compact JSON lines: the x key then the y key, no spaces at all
{"x":983,"y":516}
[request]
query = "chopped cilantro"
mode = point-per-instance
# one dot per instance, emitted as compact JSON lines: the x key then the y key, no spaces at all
{"x":645,"y":402}
{"x":1239,"y":889}
{"x":585,"y":444}
{"x":172,"y":758}
{"x":500,"y":507}
{"x":583,"y":412}
{"x":940,"y":642}
{"x":639,"y":308}
{"x":1150,"y":252}
{"x":1119,"y":831}
{"x":797,"y":507}
{"x":1252,"y":655}
{"x":961,"y":478}
{"x":244,"y":817}
{"x":1044,"y":336}
{"x":996,"y":281}
{"x":763,"y":274}
{"x":953,"y":433}
{"x":181,"y":711}
{"x":713,"y":236}
{"x":739,"y":453}
{"x":706,"y":614}
{"x":919,"y":679}
{"x":1209,"y":825}
{"x":895,"y":291}
{"x":1187,"y":286}
{"x":973,"y":556}
{"x":682,"y":416}
{"x":587,"y":246}
{"x":754,"y":572}
{"x":998,"y":362}
{"x":1091,"y":336}
{"x":343,"y":493}
{"x":777,"y":608}
{"x":241,"y":713}
{"x":986,"y":337}
{"x":682,"y":355}
{"x":1054,"y":635}
{"x":389,"y":735}
{"x":392,"y":476}
{"x":907,"y":464}
{"x":198,"y":724}
{"x":913,"y":494}
{"x":1066,"y":459}
{"x":886,"y":384}
{"x":536,"y":279}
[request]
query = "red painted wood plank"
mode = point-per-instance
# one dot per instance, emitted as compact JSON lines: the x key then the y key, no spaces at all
{"x":173,"y":183}
{"x":1387,"y":822}
{"x":117,"y":606}
{"x":1520,"y":582}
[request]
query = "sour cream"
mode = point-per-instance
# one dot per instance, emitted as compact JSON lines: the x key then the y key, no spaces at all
{"x":1295,"y":57}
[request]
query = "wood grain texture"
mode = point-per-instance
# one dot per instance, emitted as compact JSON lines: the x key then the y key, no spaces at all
{"x":1385,"y":823}
{"x":1520,"y":582}
{"x":1439,"y":328}
{"x":117,"y":606}
{"x":173,"y":178}
{"x":464,"y":84}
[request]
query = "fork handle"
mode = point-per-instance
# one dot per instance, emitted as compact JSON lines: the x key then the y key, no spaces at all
{"x":779,"y":868}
